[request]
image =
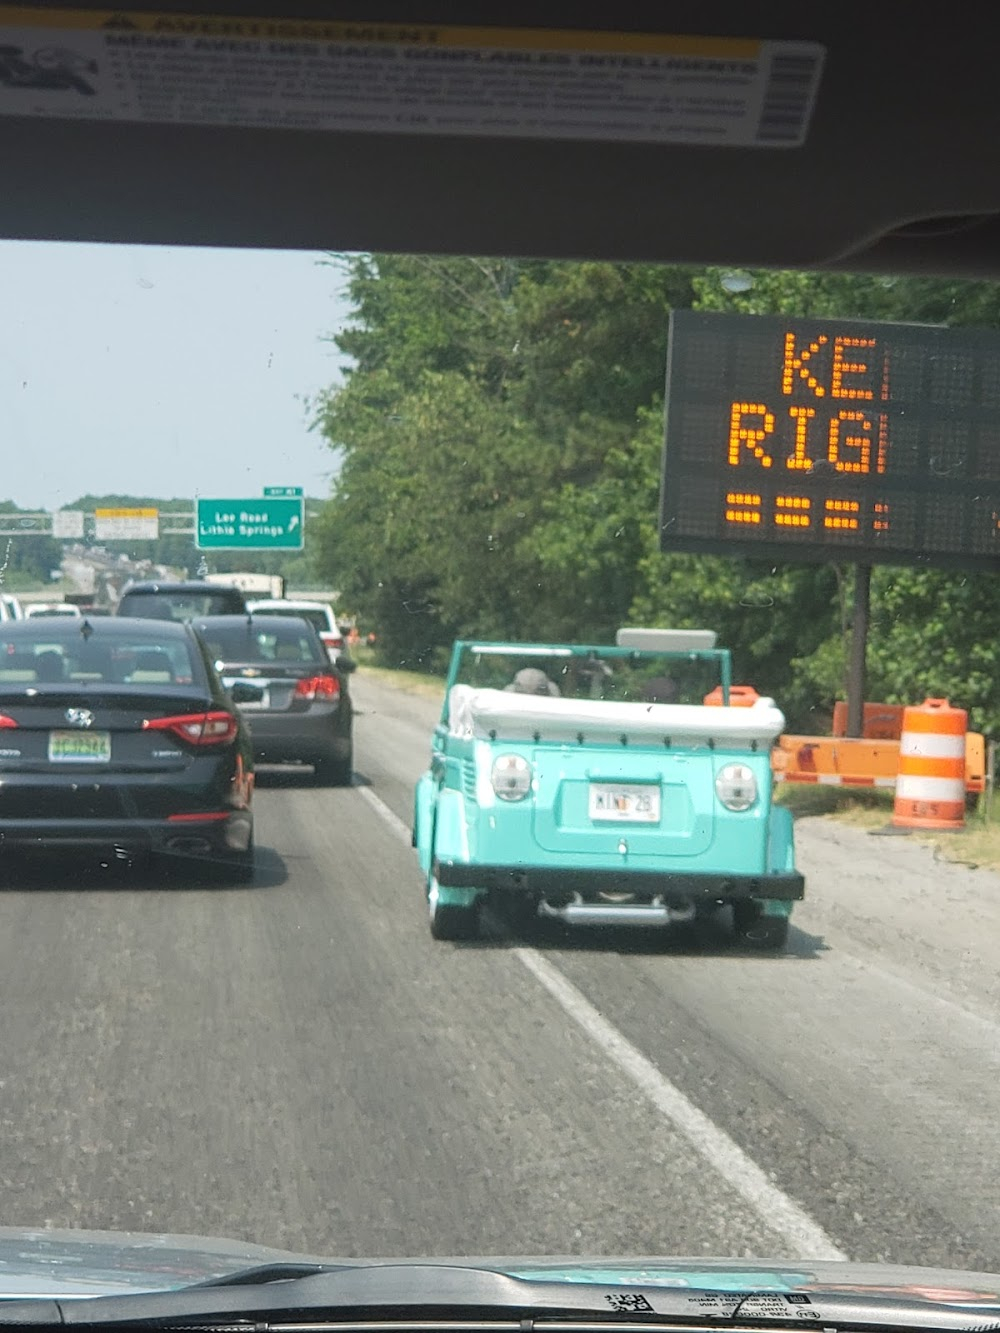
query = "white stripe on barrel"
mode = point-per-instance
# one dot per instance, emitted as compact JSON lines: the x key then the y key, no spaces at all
{"x":911,"y":788}
{"x":923,"y":745}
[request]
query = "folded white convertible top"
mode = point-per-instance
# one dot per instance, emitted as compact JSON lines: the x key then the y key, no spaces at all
{"x":497,"y":714}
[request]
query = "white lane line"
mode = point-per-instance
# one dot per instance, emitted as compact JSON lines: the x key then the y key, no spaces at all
{"x":806,"y":1239}
{"x":400,"y":829}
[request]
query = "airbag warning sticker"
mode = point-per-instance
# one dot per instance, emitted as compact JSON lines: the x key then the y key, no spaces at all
{"x":392,"y":78}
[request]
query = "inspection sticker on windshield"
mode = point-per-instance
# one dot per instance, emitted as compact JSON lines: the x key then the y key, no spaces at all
{"x":405,"y":78}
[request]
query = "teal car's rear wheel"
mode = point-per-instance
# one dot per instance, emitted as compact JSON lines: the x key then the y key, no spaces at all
{"x":756,"y":930}
{"x":451,"y":920}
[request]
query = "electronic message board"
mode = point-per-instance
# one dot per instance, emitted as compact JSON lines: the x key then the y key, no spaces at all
{"x":828,"y":439}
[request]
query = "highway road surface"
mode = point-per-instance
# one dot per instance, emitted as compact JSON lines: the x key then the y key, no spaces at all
{"x":297,"y":1063}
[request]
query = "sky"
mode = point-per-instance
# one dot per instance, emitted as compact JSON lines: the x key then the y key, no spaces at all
{"x":163,"y":372}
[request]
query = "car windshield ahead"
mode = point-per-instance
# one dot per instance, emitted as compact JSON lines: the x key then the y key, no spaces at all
{"x":316,"y":616}
{"x":595,"y":673}
{"x":135,"y":659}
{"x":179,"y":605}
{"x":248,"y":641}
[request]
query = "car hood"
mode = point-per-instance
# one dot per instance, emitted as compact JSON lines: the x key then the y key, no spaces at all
{"x":68,"y":1264}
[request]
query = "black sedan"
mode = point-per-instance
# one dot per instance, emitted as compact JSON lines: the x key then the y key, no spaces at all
{"x":302,"y":709}
{"x":117,"y":734}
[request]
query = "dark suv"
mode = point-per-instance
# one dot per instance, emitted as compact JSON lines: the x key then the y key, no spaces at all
{"x":187,"y":600}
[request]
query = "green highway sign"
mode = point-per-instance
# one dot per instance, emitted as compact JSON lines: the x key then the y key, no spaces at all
{"x":254,"y":524}
{"x":276,"y":491}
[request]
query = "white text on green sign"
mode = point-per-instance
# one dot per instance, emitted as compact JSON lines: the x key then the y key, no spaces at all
{"x":250,"y":523}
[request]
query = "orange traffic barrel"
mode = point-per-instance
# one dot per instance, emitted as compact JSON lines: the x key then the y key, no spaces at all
{"x":930,"y":783}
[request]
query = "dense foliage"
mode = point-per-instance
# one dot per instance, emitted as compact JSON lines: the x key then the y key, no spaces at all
{"x":499,"y":434}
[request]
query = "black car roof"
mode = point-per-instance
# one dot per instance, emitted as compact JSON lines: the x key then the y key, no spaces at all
{"x":49,"y":628}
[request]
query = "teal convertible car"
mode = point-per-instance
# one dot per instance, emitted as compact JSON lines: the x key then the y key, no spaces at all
{"x":602,"y":784}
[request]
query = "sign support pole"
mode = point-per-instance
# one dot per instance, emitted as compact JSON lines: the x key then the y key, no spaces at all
{"x":856,"y":670}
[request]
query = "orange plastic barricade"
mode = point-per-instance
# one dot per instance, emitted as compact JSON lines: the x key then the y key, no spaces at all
{"x":840,"y":762}
{"x":740,"y":696}
{"x":834,"y":762}
{"x":880,"y":722}
{"x":930,"y":785}
{"x":975,"y":761}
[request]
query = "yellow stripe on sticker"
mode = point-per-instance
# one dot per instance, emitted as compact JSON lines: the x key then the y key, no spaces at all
{"x":427,"y":34}
{"x":580,"y":39}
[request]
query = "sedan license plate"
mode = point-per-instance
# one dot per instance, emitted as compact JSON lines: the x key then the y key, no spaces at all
{"x":255,"y":705}
{"x":249,"y":705}
{"x":79,"y":747}
{"x":633,"y":804}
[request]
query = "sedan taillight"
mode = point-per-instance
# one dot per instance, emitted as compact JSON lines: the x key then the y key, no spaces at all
{"x":6,"y":721}
{"x":197,"y":728}
{"x":318,"y":687}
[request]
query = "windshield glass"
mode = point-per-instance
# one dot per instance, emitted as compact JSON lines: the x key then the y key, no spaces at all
{"x":316,"y":617}
{"x":179,"y":605}
{"x":130,"y":660}
{"x":243,"y":642}
{"x":625,"y":677}
{"x":598,"y":965}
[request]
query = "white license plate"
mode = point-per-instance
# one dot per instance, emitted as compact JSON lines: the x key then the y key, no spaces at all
{"x":79,"y":747}
{"x":255,"y":705}
{"x":251,"y":705}
{"x":632,"y":804}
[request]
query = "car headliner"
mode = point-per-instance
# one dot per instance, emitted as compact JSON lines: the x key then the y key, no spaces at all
{"x":893,"y":174}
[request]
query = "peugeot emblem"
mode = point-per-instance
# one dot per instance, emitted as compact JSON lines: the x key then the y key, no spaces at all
{"x":79,"y":717}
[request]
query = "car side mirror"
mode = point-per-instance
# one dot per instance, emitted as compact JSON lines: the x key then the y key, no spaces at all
{"x":347,"y":665}
{"x":242,"y":692}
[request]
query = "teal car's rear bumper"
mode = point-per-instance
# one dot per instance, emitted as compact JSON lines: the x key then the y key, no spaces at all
{"x":558,"y":884}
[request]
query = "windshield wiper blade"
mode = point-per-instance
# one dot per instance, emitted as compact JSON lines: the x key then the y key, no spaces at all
{"x":264,"y":1273}
{"x":400,"y":1293}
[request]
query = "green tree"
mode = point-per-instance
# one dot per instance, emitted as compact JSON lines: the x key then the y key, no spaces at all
{"x":937,"y":634}
{"x":27,"y":560}
{"x":479,"y":391}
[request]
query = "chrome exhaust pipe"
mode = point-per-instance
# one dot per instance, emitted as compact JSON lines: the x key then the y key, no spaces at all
{"x":579,"y":913}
